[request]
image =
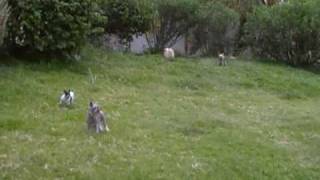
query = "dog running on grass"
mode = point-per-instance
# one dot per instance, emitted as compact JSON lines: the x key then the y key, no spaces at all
{"x":67,"y":98}
{"x":96,"y":119}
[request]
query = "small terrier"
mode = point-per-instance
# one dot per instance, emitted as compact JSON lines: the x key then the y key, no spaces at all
{"x":67,"y":98}
{"x":96,"y":120}
{"x":168,"y":53}
{"x":222,"y":59}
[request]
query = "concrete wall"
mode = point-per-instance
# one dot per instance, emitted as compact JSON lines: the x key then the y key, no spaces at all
{"x":139,"y":44}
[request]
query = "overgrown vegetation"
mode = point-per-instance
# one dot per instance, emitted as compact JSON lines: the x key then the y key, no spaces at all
{"x":127,"y":17}
{"x":216,"y":30}
{"x":55,"y":27}
{"x":288,"y":32}
{"x":4,"y":15}
{"x":172,"y":20}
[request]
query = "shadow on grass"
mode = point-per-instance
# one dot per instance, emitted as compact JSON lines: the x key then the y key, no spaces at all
{"x":43,"y":63}
{"x":315,"y":68}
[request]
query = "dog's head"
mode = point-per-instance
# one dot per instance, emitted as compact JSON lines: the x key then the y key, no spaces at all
{"x":168,"y":50}
{"x":66,"y":93}
{"x":93,"y":108}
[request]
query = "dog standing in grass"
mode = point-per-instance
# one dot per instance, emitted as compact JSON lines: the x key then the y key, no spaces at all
{"x":222,"y":59}
{"x":96,"y":119}
{"x":168,"y":53}
{"x":67,"y":98}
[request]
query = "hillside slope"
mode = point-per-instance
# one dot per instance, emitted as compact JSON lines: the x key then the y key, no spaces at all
{"x":188,"y":119}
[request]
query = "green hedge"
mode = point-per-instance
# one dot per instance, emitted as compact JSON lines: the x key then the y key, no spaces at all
{"x":127,"y":17}
{"x":288,"y":32}
{"x":212,"y":34}
{"x":55,"y":26}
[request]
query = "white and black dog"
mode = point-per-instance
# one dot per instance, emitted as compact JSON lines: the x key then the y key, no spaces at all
{"x":67,"y":98}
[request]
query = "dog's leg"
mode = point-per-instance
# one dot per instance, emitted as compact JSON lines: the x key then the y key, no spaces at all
{"x":107,"y":128}
{"x":97,"y":127}
{"x":71,"y":100}
{"x":104,"y":123}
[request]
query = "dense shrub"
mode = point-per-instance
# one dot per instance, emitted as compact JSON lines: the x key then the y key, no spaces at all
{"x":288,"y":32}
{"x":216,"y":30}
{"x":242,"y":7}
{"x":172,"y":19}
{"x":4,"y":14}
{"x":59,"y":26}
{"x":127,"y":17}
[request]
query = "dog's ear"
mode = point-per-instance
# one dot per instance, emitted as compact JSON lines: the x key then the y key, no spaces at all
{"x":69,"y":90}
{"x":90,"y":104}
{"x":65,"y":91}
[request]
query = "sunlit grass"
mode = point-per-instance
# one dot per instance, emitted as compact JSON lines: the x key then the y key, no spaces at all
{"x":188,"y":119}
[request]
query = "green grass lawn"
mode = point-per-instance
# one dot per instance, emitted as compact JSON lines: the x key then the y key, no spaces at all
{"x":188,"y":119}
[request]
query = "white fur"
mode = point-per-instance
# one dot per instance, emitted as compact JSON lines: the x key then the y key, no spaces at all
{"x":222,"y":60}
{"x":221,"y":56}
{"x":67,"y":100}
{"x":168,"y":53}
{"x":100,"y":127}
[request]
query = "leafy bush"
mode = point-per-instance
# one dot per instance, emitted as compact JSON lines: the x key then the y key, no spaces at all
{"x":127,"y":17}
{"x":288,"y":32}
{"x":216,"y":30}
{"x":4,"y":14}
{"x":59,"y":26}
{"x":242,"y":7}
{"x":173,"y":18}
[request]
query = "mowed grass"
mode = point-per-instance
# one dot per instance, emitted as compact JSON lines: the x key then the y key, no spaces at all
{"x":188,"y":119}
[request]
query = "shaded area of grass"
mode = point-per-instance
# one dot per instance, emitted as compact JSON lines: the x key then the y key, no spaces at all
{"x":188,"y":119}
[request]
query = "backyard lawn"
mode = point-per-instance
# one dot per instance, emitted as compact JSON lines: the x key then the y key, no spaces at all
{"x":187,"y":119}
